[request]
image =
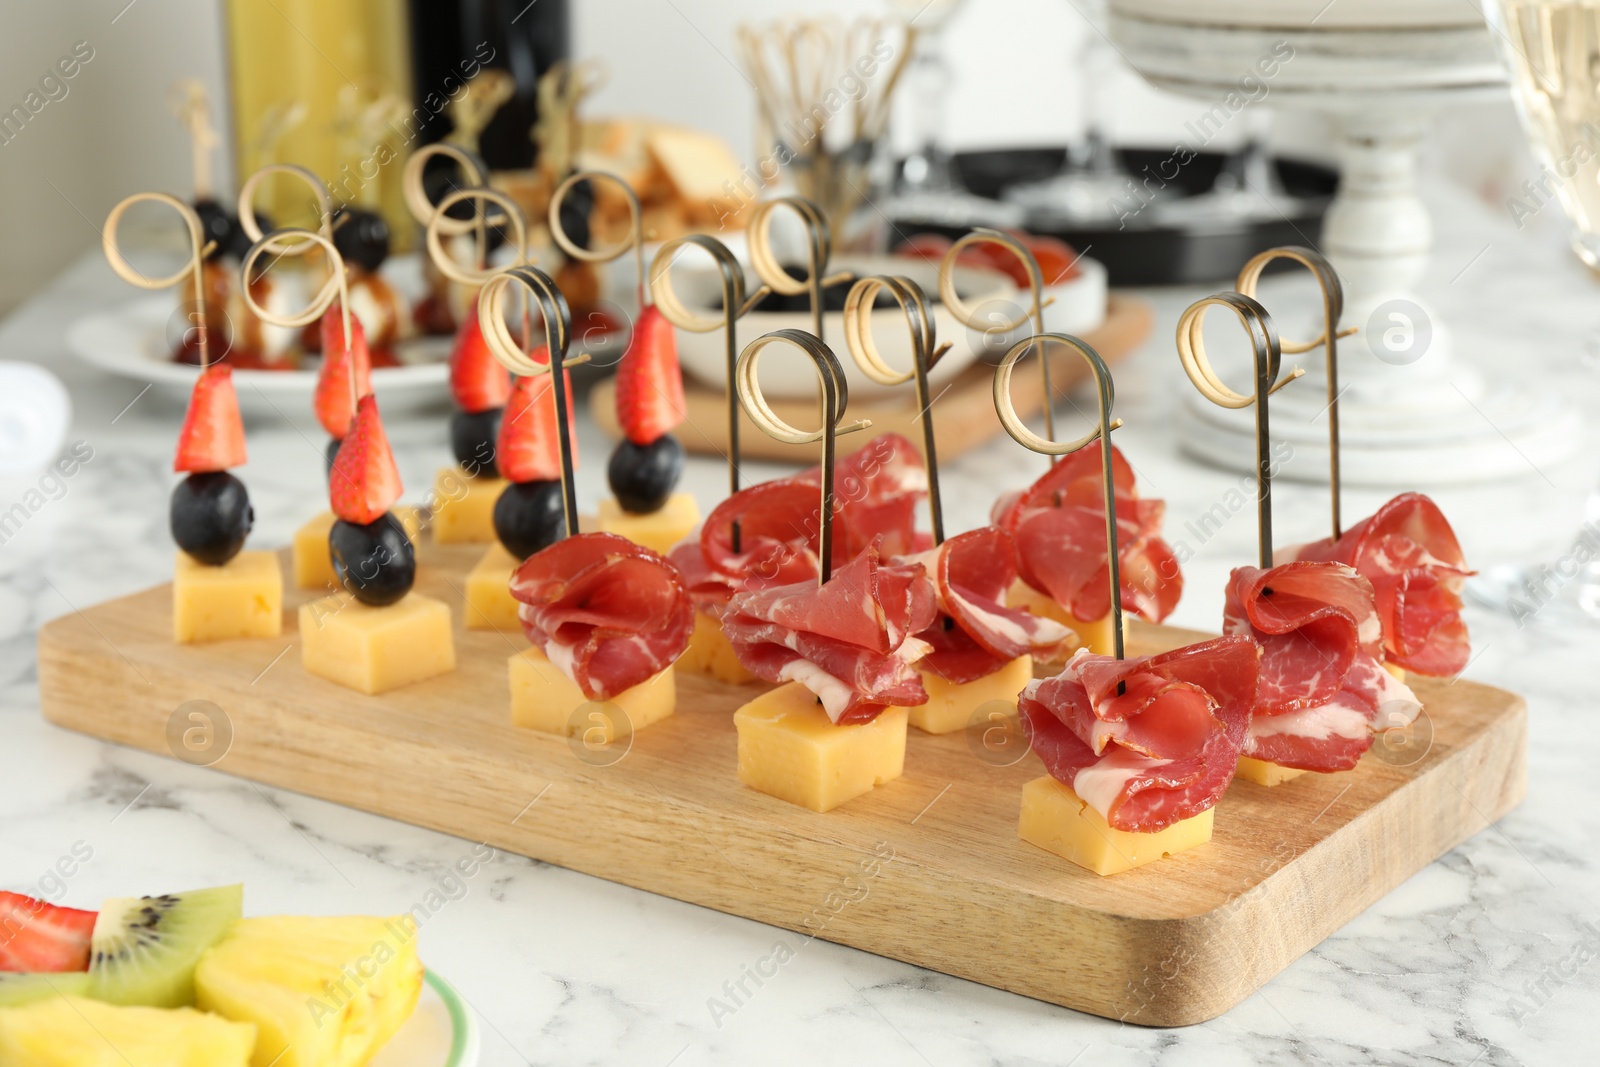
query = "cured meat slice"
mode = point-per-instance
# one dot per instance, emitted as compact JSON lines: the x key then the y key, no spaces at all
{"x":877,"y":491}
{"x":1162,"y":749}
{"x":1323,"y":685}
{"x":1058,"y":525}
{"x":1409,"y":553}
{"x":607,"y":612}
{"x":849,"y":640}
{"x":975,"y":633}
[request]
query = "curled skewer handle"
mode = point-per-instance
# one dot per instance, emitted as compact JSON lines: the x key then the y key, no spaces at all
{"x":1332,"y":309}
{"x":1264,"y":344}
{"x":925,"y":352}
{"x":438,"y":230}
{"x":819,"y":249}
{"x":682,"y":316}
{"x":247,"y":199}
{"x":635,"y":239}
{"x":194,"y":269}
{"x":557,"y":333}
{"x":1105,"y":396}
{"x":298,"y":242}
{"x":835,"y":396}
{"x":473,"y":173}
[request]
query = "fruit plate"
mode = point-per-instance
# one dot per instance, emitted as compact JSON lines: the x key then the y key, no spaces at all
{"x":927,"y":868}
{"x":440,"y":1033}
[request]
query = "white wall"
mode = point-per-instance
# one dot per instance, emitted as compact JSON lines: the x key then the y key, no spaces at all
{"x":1012,"y":83}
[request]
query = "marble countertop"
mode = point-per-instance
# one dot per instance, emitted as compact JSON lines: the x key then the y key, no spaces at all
{"x":1487,"y":956}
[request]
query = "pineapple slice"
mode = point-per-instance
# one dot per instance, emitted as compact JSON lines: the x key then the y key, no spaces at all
{"x":323,"y":991}
{"x":76,"y":1032}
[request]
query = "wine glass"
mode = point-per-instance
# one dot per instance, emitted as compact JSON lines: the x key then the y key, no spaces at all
{"x":1552,"y":49}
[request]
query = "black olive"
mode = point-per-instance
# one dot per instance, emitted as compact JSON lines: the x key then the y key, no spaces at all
{"x":219,"y":226}
{"x":643,"y":476}
{"x":361,"y":236}
{"x":376,"y":561}
{"x":211,"y":516}
{"x":472,"y":438}
{"x":529,"y":516}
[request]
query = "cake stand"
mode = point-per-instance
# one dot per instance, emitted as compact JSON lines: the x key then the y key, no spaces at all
{"x":1411,"y":411}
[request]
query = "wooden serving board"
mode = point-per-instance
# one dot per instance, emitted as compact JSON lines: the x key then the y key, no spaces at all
{"x":927,"y":869}
{"x":964,"y":407}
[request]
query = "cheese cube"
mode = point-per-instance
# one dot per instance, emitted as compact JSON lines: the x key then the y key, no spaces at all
{"x":710,"y":652}
{"x":490,"y":605}
{"x":1395,"y":669}
{"x":313,"y":562}
{"x":1094,"y":635}
{"x":1262,"y":772}
{"x":788,"y":748}
{"x":373,"y":650}
{"x":241,"y":598}
{"x":545,"y":699}
{"x":660,"y":529}
{"x":1057,"y":821}
{"x":951,"y":705}
{"x":463,"y":507}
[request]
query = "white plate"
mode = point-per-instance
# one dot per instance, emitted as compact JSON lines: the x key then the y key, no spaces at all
{"x":440,"y":1033}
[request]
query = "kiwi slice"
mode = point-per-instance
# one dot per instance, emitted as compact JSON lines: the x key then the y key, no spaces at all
{"x":144,"y":948}
{"x":18,"y":988}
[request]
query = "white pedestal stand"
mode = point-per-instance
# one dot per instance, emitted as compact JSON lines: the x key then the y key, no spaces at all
{"x":1411,"y":413}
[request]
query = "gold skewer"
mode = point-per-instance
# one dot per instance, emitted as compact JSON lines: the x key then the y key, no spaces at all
{"x":835,"y":397}
{"x":1105,"y":396}
{"x":440,"y":225}
{"x":558,"y":335}
{"x":819,"y":249}
{"x":925,"y":352}
{"x":968,"y":316}
{"x":1332,"y":308}
{"x":735,"y":303}
{"x":1268,"y":356}
{"x":295,"y":242}
{"x":473,"y":173}
{"x":247,"y":201}
{"x":199,"y":248}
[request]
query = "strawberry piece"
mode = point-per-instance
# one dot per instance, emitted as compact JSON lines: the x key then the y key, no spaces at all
{"x":39,"y":936}
{"x":333,"y":405}
{"x":528,"y":448}
{"x":477,"y":379}
{"x":649,"y":382}
{"x":212,"y":438}
{"x":364,"y":482}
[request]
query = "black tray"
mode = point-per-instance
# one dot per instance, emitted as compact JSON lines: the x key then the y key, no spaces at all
{"x":1142,"y":254}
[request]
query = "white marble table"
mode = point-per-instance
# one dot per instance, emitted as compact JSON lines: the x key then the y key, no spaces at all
{"x":1485,"y":957}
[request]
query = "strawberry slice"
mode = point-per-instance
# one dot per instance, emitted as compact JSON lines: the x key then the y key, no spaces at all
{"x":38,"y":936}
{"x":212,"y":438}
{"x":528,"y":448}
{"x":477,"y":379}
{"x":364,"y":482}
{"x":649,"y":382}
{"x":333,"y":382}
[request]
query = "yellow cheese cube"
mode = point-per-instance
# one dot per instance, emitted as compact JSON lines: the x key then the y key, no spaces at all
{"x":241,"y":598}
{"x":545,"y":699}
{"x":788,"y":748}
{"x":1094,"y":635}
{"x":1395,"y":669}
{"x":710,"y":652}
{"x":373,"y":650}
{"x":950,"y":704}
{"x":490,"y":605}
{"x":313,"y":563}
{"x":659,"y":530}
{"x":1262,"y":772}
{"x":463,"y":507}
{"x":1057,"y":821}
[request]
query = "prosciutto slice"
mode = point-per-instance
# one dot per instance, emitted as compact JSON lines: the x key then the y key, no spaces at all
{"x":1409,"y":553}
{"x":1323,"y":685}
{"x":1161,"y":750}
{"x":877,"y":491}
{"x":975,"y":634}
{"x":1059,"y":528}
{"x":607,"y":612}
{"x":850,"y":641}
